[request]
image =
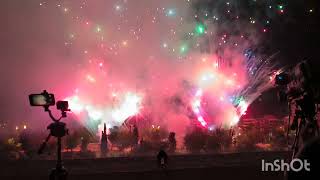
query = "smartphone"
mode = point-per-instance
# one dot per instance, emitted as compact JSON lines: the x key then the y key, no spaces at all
{"x":43,"y":99}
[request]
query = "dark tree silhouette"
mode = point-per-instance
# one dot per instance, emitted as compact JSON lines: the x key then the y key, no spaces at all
{"x":172,"y":142}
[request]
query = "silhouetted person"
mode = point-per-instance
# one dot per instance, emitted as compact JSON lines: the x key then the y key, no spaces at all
{"x":162,"y":158}
{"x":309,"y":152}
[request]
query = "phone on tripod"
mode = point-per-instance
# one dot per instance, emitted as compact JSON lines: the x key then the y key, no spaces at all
{"x":57,"y":128}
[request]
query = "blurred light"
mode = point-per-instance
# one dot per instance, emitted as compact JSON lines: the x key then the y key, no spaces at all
{"x":129,"y":107}
{"x":200,"y":28}
{"x":196,"y":110}
{"x":183,"y":48}
{"x":212,"y":128}
{"x":171,"y":12}
{"x":202,"y":121}
{"x":199,"y":92}
{"x":165,"y":45}
{"x":90,"y":78}
{"x":94,"y":114}
{"x":98,"y":28}
{"x":117,"y":7}
{"x":229,"y":82}
{"x":234,"y":120}
{"x":75,"y":104}
{"x":124,"y":43}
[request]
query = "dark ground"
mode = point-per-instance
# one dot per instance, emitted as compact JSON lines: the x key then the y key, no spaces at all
{"x":233,"y":166}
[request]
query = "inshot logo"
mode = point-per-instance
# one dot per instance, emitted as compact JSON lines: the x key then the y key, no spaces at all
{"x":280,"y":165}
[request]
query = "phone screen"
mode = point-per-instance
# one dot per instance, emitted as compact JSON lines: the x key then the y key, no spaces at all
{"x":41,"y":100}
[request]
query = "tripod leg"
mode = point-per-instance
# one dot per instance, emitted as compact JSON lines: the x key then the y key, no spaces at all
{"x":59,"y":173}
{"x":44,"y":144}
{"x":59,"y":162}
{"x":295,"y":146}
{"x":317,"y":128}
{"x":288,"y":131}
{"x":289,"y":121}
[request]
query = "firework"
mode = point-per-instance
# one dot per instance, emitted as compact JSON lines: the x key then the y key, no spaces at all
{"x":166,"y":61}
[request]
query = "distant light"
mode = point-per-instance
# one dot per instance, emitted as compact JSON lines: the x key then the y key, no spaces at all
{"x":165,"y":45}
{"x":117,"y":7}
{"x":24,"y":126}
{"x":17,"y":128}
{"x":183,"y":48}
{"x":171,"y":12}
{"x":98,"y":29}
{"x":124,"y":43}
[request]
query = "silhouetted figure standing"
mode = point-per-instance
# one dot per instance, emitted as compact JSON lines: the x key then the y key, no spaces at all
{"x":162,"y":158}
{"x":104,"y":141}
{"x":84,"y":144}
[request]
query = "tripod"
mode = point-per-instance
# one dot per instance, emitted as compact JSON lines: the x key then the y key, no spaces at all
{"x":305,"y":129}
{"x":58,"y":130}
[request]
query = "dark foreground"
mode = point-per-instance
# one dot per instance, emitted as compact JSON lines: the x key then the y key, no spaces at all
{"x":233,"y":166}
